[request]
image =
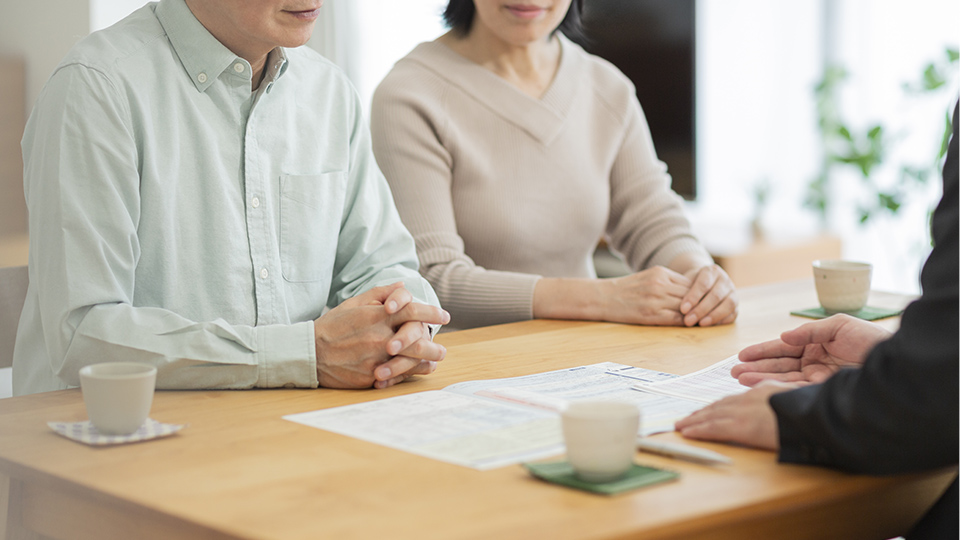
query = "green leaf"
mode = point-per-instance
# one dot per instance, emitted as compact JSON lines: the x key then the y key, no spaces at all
{"x":915,"y":175}
{"x":932,"y":79}
{"x":953,"y":55}
{"x":947,"y":132}
{"x":890,"y":201}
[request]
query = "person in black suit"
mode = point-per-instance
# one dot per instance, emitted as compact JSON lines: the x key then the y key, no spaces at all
{"x":848,"y":394}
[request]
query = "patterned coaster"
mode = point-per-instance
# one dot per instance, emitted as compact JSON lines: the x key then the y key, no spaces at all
{"x":86,"y":433}
{"x":867,"y":313}
{"x":561,"y":472}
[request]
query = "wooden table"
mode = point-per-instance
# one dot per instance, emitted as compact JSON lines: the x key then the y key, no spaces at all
{"x":240,"y":471}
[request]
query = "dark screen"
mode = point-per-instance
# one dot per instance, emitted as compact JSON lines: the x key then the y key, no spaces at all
{"x":653,"y":43}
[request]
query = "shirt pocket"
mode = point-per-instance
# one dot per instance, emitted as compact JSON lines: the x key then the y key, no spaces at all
{"x":311,"y":208}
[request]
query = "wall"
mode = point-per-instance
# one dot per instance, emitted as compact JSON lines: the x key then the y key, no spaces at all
{"x":41,"y":31}
{"x":885,"y":44}
{"x":35,"y":35}
{"x":759,"y":64}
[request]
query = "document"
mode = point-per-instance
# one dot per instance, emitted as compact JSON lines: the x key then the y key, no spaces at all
{"x":706,"y":386}
{"x":497,"y":422}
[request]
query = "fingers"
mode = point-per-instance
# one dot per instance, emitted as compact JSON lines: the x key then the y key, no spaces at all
{"x":411,"y":349}
{"x":651,"y":297}
{"x":744,"y":419}
{"x":770,"y":349}
{"x":701,"y":416}
{"x":415,"y":311}
{"x":754,"y":379}
{"x":673,"y":283}
{"x":724,"y":313}
{"x":397,"y":300}
{"x":374,"y":296}
{"x":413,"y":339}
{"x":717,"y":429}
{"x":399,"y":368}
{"x":703,"y":281}
{"x":711,"y":299}
{"x":822,"y":331}
{"x":767,"y":365}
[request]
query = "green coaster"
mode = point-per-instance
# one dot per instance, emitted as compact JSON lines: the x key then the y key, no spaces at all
{"x":561,"y":472}
{"x":867,"y":313}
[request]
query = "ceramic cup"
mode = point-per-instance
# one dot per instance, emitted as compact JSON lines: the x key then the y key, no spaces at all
{"x":842,"y":286}
{"x":118,"y":395}
{"x":601,"y":438}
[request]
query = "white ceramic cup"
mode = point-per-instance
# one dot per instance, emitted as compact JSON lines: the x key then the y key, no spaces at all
{"x":601,"y":438}
{"x":118,"y":395}
{"x":842,"y":286}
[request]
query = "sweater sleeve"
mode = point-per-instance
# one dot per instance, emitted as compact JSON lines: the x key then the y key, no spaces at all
{"x":407,"y":122}
{"x":647,"y":224}
{"x":899,"y":412}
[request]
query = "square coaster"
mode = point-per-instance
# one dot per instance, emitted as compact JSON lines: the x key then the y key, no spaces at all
{"x":87,"y":433}
{"x":561,"y":472}
{"x":867,"y":313}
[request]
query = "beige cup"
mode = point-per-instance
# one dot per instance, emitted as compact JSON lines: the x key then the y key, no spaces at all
{"x":842,"y":286}
{"x":118,"y":395}
{"x":601,"y":438}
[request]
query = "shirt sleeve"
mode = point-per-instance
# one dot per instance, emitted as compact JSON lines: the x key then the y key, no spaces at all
{"x":82,"y":187}
{"x":899,"y":412}
{"x":374,"y":247}
{"x":406,"y":124}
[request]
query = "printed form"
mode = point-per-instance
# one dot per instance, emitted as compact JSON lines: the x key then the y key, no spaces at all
{"x":497,"y":422}
{"x":710,"y":384}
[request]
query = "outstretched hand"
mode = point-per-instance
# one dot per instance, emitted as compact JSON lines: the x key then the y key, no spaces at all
{"x":811,"y":353}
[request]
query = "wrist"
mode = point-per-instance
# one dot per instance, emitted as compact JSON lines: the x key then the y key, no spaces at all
{"x":688,"y":262}
{"x":318,"y":346}
{"x":570,"y":298}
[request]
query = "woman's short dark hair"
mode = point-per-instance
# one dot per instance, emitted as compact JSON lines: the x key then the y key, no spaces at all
{"x":459,"y":16}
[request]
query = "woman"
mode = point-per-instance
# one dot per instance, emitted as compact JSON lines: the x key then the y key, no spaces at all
{"x":510,"y":151}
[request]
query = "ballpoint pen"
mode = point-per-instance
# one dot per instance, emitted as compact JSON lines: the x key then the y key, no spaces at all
{"x":681,"y":451}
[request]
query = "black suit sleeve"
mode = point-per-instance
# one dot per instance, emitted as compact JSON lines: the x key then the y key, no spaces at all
{"x":898,"y":412}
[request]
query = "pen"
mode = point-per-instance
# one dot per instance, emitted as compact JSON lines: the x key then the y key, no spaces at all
{"x":681,"y":451}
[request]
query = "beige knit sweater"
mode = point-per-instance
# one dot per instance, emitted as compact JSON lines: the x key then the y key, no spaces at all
{"x":499,"y":188}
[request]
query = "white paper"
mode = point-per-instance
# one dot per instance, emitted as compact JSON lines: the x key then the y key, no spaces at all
{"x":705,"y":386}
{"x":492,"y":423}
{"x":447,"y":426}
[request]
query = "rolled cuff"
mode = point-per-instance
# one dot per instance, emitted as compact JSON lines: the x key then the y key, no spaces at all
{"x":288,"y":356}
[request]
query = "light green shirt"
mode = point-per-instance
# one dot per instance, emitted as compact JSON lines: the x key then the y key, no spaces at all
{"x":178,"y":219}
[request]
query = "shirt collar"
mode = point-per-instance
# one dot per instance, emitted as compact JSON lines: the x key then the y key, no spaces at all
{"x":202,"y":55}
{"x":274,"y":68}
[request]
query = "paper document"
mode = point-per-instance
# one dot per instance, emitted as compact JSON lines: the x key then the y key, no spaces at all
{"x":706,"y":386}
{"x":492,"y":423}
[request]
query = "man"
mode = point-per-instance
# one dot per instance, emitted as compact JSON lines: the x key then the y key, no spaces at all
{"x":199,"y":191}
{"x":867,"y":401}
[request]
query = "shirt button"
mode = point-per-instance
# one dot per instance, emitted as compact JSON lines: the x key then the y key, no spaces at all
{"x":202,"y":77}
{"x":238,"y":67}
{"x":264,"y":273}
{"x":255,"y":202}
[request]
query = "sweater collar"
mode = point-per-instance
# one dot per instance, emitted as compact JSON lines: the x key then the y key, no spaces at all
{"x":542,"y":118}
